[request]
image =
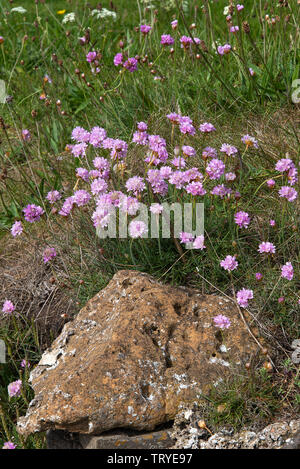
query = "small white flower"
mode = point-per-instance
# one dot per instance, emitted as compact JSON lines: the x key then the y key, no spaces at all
{"x":103,"y":14}
{"x":69,"y":18}
{"x":18,"y":10}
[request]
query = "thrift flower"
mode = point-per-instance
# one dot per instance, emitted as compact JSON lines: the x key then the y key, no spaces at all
{"x":145,"y":29}
{"x":26,"y":135}
{"x":207,"y":127}
{"x":17,"y":229}
{"x":118,"y":59}
{"x":9,"y":445}
{"x":229,"y":263}
{"x":230,"y":150}
{"x":166,"y":40}
{"x":199,"y":243}
{"x":215,"y":168}
{"x":186,"y":237}
{"x":137,"y":229}
{"x":49,"y":254}
{"x":266,"y":247}
{"x":243,"y":296}
{"x":242,"y":219}
{"x":156,"y":209}
{"x":131,"y":64}
{"x":53,"y":196}
{"x":14,"y":388}
{"x":81,"y":197}
{"x":271,"y":183}
{"x":25,"y":363}
{"x":288,"y":192}
{"x":33,"y":213}
{"x":287,"y":271}
{"x":222,"y":322}
{"x":249,"y":141}
{"x":8,"y":307}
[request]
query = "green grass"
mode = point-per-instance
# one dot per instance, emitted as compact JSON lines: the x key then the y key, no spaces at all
{"x":197,"y":82}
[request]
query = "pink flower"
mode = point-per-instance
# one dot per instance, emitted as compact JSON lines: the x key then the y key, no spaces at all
{"x":207,"y":127}
{"x":287,"y":271}
{"x":118,"y":59}
{"x":243,"y":296}
{"x":209,"y":152}
{"x":188,"y":151}
{"x":156,"y":209}
{"x":80,"y":135}
{"x":258,"y":276}
{"x":199,"y":243}
{"x":234,"y":29}
{"x":178,"y":162}
{"x":166,"y":40}
{"x":53,"y":196}
{"x":8,"y":307}
{"x":174,"y":24}
{"x":230,"y":150}
{"x":222,"y":322}
{"x":249,"y":141}
{"x":266,"y":247}
{"x":26,"y":135}
{"x":242,"y":219}
{"x":49,"y":254}
{"x":135,"y":185}
{"x":145,"y":29}
{"x":9,"y":445}
{"x":67,"y":207}
{"x":79,"y":150}
{"x":288,"y":192}
{"x":97,"y":135}
{"x":229,"y":263}
{"x":16,"y":229}
{"x":221,"y":191}
{"x":131,"y":64}
{"x":25,"y":364}
{"x":82,"y":197}
{"x":224,"y":49}
{"x":185,"y":41}
{"x":91,"y":56}
{"x":186,"y":237}
{"x":285,"y":164}
{"x":137,"y":229}
{"x":14,"y":388}
{"x":82,"y":173}
{"x":98,"y":186}
{"x":230,"y":176}
{"x":271,"y":183}
{"x":195,"y":188}
{"x":272,"y":223}
{"x":130,"y":205}
{"x":215,"y":168}
{"x":186,"y":125}
{"x":33,"y":213}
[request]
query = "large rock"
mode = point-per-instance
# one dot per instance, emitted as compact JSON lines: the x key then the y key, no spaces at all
{"x":133,"y":353}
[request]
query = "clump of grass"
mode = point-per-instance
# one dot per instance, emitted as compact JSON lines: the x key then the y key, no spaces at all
{"x":251,"y":400}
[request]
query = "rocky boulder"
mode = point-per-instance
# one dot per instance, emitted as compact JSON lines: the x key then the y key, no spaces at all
{"x":132,"y":355}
